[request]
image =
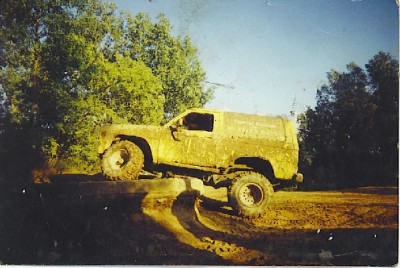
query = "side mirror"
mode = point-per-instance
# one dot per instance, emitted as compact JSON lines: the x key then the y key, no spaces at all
{"x":175,"y":128}
{"x":177,"y":125}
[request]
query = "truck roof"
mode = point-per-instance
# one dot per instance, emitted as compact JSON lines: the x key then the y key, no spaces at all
{"x":202,"y":110}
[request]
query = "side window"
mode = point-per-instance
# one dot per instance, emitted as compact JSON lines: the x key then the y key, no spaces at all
{"x":202,"y":122}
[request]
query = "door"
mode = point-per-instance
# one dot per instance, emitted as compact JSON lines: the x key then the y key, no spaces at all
{"x":191,"y":143}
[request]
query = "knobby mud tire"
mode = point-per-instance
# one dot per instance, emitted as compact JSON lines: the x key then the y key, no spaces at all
{"x":250,"y":194}
{"x":123,"y":160}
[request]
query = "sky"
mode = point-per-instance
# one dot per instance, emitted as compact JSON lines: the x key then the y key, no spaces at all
{"x":271,"y":56}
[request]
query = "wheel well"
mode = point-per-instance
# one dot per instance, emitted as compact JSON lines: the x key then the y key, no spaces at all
{"x":144,"y":146}
{"x":259,"y":165}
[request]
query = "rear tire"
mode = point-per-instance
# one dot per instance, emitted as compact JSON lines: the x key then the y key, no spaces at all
{"x":250,"y":194}
{"x":122,"y":161}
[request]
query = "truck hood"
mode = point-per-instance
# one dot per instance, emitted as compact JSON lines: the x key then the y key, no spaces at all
{"x":127,"y":129}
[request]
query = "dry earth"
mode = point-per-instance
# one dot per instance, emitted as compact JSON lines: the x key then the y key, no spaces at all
{"x":352,"y":227}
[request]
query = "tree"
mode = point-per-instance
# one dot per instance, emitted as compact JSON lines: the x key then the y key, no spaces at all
{"x":341,"y":140}
{"x":21,"y":79}
{"x":171,"y":59}
{"x":123,"y":91}
{"x":384,"y":83}
{"x":68,"y":67}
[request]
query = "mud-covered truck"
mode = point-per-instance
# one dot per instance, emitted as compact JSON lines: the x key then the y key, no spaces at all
{"x":248,"y":154}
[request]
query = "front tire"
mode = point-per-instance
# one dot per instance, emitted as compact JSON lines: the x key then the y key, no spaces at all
{"x":250,"y":194}
{"x":122,"y":161}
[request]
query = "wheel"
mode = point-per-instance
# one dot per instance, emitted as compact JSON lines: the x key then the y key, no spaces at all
{"x":250,"y":194}
{"x":122,"y":161}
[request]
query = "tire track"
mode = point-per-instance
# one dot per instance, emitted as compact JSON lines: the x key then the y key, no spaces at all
{"x":182,"y":218}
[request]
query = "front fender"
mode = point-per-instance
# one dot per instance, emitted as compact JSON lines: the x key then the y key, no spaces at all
{"x":105,"y":140}
{"x":115,"y":132}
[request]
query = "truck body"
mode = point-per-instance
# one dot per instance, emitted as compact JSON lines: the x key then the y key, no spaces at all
{"x":214,"y":141}
{"x":219,"y":147}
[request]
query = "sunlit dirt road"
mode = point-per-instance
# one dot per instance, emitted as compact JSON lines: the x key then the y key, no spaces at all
{"x":353,"y":227}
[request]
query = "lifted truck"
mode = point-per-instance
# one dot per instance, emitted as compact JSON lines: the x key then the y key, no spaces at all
{"x":248,"y":154}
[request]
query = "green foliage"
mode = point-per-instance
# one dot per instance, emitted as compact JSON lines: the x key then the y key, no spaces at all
{"x":172,"y":60}
{"x":68,"y":67}
{"x":351,"y":136}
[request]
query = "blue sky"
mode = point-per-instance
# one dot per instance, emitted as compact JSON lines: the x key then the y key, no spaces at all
{"x":274,"y":53}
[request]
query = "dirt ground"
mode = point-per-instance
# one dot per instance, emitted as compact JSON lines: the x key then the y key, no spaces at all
{"x":352,"y":227}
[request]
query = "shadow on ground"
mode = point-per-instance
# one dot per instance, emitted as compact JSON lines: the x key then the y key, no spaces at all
{"x":38,"y":228}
